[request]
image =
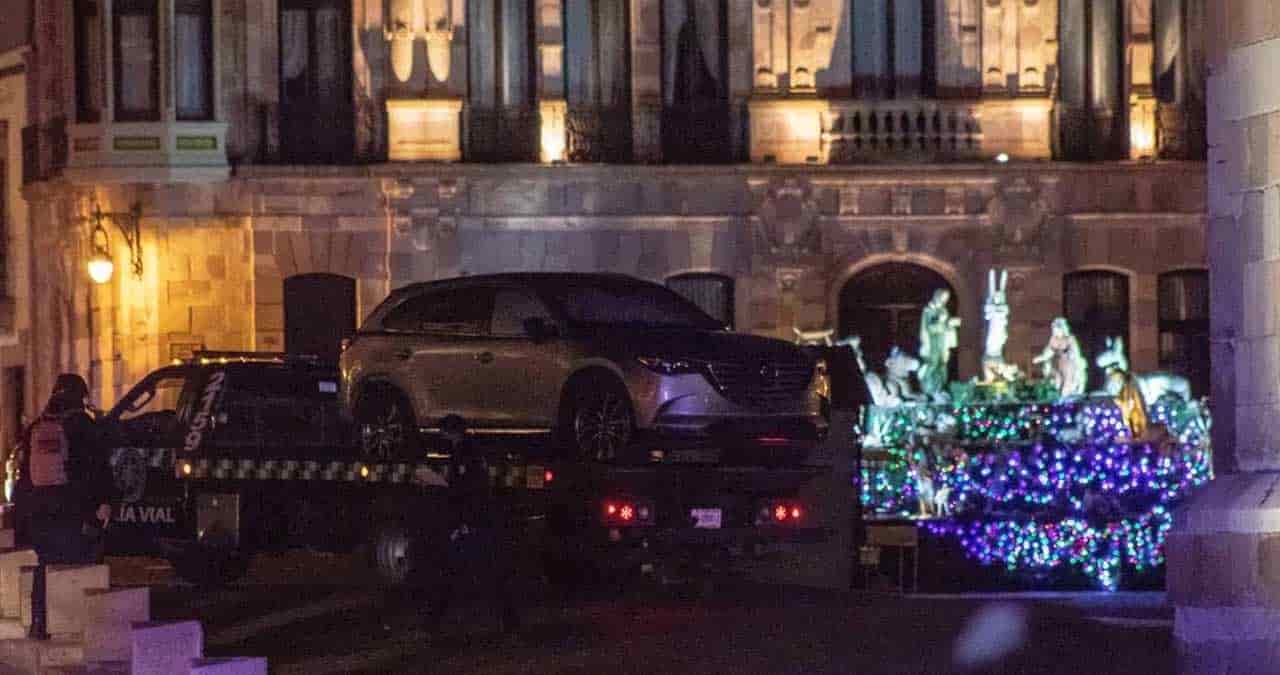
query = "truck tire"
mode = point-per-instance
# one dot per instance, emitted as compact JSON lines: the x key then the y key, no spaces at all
{"x":402,"y":557}
{"x":597,"y":422}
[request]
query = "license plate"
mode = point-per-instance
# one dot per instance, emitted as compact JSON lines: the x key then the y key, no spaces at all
{"x":706,"y":518}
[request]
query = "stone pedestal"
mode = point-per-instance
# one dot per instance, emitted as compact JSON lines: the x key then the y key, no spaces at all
{"x":424,"y":130}
{"x":166,"y":648}
{"x":236,"y":666}
{"x":1019,"y":127}
{"x":11,"y":564}
{"x":108,"y":621}
{"x":1224,"y":577}
{"x":786,"y":130}
{"x":66,"y":586}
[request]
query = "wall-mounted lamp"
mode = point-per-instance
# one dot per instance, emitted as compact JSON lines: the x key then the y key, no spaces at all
{"x":101,"y":267}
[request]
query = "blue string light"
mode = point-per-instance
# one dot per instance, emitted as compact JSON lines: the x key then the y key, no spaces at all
{"x":1036,"y":486}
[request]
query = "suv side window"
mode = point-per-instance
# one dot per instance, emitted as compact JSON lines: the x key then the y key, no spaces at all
{"x":511,"y":307}
{"x":459,"y":310}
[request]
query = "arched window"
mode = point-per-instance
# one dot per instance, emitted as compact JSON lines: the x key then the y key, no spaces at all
{"x":319,"y":312}
{"x":711,"y":292}
{"x":502,"y":117}
{"x":1096,"y":304}
{"x":695,"y":81}
{"x":882,"y":305}
{"x":598,"y":80}
{"x":1184,"y":326}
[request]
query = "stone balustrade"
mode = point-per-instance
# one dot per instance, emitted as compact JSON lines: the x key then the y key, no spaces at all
{"x":858,"y":131}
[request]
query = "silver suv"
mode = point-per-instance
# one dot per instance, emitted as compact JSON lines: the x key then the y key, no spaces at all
{"x":601,"y":362}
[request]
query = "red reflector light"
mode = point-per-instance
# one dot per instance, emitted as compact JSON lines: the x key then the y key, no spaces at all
{"x":629,"y":512}
{"x":779,"y":513}
{"x":548,"y":476}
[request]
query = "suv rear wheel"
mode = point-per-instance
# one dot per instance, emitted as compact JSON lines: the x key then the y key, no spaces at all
{"x":598,"y":423}
{"x":385,"y":423}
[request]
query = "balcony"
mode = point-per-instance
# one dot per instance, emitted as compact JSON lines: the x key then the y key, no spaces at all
{"x":147,"y":151}
{"x":924,"y":130}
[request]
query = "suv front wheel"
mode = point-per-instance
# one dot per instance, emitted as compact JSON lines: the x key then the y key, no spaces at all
{"x":598,"y":423}
{"x":385,"y":423}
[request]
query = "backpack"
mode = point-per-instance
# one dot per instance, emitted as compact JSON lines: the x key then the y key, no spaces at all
{"x":49,"y":448}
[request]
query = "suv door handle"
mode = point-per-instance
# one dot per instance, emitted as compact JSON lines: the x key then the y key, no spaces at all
{"x":404,"y":354}
{"x":485,"y":357}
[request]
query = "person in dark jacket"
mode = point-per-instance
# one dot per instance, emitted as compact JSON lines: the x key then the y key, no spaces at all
{"x":481,"y":547}
{"x":64,"y":488}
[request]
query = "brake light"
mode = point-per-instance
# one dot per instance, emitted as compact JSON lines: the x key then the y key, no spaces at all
{"x":780,"y":512}
{"x":633,"y":512}
{"x":548,"y":476}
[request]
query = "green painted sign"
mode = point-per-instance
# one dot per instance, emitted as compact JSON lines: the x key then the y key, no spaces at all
{"x":197,"y":142}
{"x":136,"y":143}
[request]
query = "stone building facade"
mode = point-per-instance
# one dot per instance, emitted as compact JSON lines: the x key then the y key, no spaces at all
{"x":789,"y":164}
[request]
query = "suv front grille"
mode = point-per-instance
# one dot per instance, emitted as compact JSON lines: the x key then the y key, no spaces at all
{"x":761,"y":385}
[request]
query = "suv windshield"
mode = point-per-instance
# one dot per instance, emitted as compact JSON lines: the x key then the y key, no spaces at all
{"x":630,"y":304}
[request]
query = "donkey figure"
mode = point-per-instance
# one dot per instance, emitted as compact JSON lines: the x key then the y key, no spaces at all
{"x":1152,"y":386}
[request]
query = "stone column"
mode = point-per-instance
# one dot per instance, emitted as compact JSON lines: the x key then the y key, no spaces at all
{"x":1224,"y":550}
{"x":741,"y":73}
{"x":1142,"y":104}
{"x":425,"y":122}
{"x":646,"y":80}
{"x":1073,"y":63}
{"x":552,"y":106}
{"x":959,"y":48}
{"x":1105,"y":75}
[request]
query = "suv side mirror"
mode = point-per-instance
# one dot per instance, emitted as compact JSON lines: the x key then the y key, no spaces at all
{"x":539,"y":329}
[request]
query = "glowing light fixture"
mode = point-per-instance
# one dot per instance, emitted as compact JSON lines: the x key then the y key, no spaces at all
{"x":100,"y":265}
{"x":1003,"y":158}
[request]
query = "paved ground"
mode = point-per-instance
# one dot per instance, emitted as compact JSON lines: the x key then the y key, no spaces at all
{"x":309,"y":614}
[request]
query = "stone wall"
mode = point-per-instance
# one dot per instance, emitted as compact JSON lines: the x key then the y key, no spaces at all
{"x":790,"y":238}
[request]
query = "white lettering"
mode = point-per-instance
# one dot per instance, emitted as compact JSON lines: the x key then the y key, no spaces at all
{"x":146,"y":514}
{"x":201,"y":420}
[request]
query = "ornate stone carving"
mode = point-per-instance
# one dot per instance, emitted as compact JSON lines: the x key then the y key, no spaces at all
{"x":954,"y":204}
{"x":1018,"y":212}
{"x":786,"y":222}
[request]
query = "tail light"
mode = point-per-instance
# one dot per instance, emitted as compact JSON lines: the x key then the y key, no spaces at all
{"x":626,"y":512}
{"x":780,"y":512}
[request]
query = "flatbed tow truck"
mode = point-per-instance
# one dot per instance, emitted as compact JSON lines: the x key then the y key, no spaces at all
{"x":247,"y":452}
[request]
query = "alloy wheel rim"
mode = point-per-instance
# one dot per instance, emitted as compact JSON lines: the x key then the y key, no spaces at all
{"x":385,"y":434}
{"x":603,"y":426}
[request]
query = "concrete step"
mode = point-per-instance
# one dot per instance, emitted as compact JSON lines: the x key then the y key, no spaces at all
{"x":165,"y":648}
{"x":33,"y":656}
{"x":91,"y":668}
{"x":232,"y":666}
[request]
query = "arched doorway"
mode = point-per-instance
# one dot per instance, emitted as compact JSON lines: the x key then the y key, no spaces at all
{"x":319,"y":312}
{"x":882,"y":304}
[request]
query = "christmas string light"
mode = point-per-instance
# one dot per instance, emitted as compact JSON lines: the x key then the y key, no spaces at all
{"x":1039,"y":485}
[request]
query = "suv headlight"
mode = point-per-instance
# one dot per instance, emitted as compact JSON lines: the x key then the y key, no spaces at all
{"x":666,"y":366}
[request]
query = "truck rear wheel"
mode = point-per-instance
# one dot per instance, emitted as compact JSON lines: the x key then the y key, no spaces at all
{"x":394,"y":552}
